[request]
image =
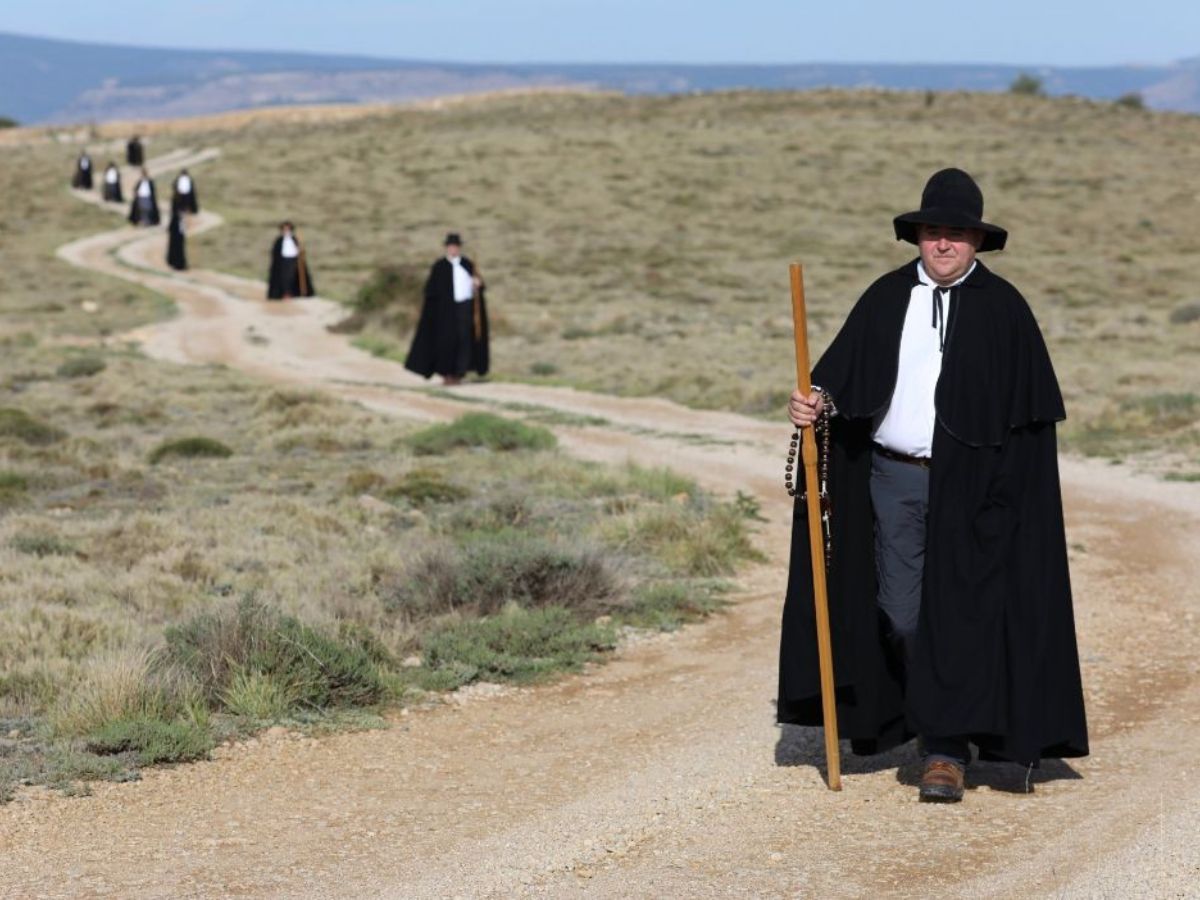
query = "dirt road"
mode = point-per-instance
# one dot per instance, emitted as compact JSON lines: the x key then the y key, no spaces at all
{"x":660,"y":774}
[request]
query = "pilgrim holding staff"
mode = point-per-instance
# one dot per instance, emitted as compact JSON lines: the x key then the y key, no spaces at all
{"x":82,"y":179}
{"x":112,"y":184}
{"x":949,"y":594}
{"x":289,"y":276}
{"x":452,"y":334}
{"x":144,"y":208}
{"x":185,"y":193}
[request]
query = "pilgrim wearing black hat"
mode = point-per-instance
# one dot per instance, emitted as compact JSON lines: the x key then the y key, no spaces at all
{"x":452,"y":334}
{"x":949,"y":594}
{"x":289,"y":275}
{"x":112,"y":184}
{"x":143,"y":210}
{"x":82,"y":179}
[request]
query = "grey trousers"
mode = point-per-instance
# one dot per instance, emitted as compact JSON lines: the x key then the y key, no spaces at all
{"x":900,"y":497}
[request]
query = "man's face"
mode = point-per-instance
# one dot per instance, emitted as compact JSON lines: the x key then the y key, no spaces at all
{"x":453,"y":250}
{"x":946,"y":252}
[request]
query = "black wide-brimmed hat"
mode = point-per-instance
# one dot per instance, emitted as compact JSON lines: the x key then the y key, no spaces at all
{"x":453,"y":238}
{"x":953,"y":199}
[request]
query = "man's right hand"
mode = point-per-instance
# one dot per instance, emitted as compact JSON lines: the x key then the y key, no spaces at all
{"x":804,"y":410}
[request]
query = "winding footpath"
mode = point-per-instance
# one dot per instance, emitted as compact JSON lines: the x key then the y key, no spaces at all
{"x":660,"y":774}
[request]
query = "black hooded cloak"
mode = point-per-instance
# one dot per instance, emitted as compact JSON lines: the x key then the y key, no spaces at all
{"x":187,"y":201}
{"x":83,"y":173}
{"x":133,"y":153}
{"x":112,"y":192}
{"x":176,"y":248}
{"x":149,"y":216}
{"x":284,"y":277}
{"x":995,"y":656}
{"x":434,"y":344}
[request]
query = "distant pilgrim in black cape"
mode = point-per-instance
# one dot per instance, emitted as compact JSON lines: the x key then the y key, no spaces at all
{"x":995,"y":657}
{"x":82,"y":180}
{"x":185,"y":193}
{"x":112,"y":184}
{"x":289,"y":275}
{"x":134,"y":155}
{"x":143,"y":210}
{"x":451,"y":337}
{"x":176,"y":239}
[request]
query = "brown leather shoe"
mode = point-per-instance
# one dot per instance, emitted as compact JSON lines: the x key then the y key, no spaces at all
{"x":942,"y":782}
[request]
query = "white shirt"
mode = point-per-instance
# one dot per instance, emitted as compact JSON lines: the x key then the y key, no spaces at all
{"x":289,"y":249}
{"x":184,"y":184}
{"x":112,"y":176}
{"x":464,"y":287}
{"x":906,"y":426}
{"x":85,"y":163}
{"x":143,"y":188}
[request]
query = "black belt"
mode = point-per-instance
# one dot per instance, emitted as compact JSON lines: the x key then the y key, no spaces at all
{"x":922,"y":461}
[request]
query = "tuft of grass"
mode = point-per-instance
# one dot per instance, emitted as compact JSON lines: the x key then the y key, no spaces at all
{"x":488,"y":572}
{"x":661,"y":483}
{"x":13,"y":488}
{"x":261,"y":696}
{"x":120,"y":686}
{"x":151,"y":740}
{"x":190,"y":448}
{"x":668,"y":605}
{"x":1182,"y":315}
{"x":691,"y":542}
{"x":42,"y":545}
{"x":81,"y":367}
{"x":425,"y":487}
{"x":479,"y":429}
{"x":364,"y":481}
{"x":517,"y":645}
{"x":316,"y":670}
{"x":18,"y":424}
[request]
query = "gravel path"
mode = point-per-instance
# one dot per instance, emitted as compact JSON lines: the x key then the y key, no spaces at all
{"x":659,"y":774}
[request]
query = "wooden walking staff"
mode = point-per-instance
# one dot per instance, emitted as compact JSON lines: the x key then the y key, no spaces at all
{"x":816,"y":540}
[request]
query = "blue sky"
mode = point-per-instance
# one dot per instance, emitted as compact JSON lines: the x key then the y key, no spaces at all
{"x":1056,"y":32}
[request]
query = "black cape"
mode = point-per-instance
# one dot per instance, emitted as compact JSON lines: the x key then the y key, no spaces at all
{"x":135,"y":214}
{"x":133,"y":153}
{"x":995,"y":656}
{"x":176,"y":249}
{"x":433,"y":344}
{"x":112,"y":192}
{"x":188,"y":202}
{"x":83,"y":173}
{"x":284,"y":277}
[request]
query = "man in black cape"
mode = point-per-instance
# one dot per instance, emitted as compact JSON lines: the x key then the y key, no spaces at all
{"x":176,"y":234}
{"x":133,"y":152}
{"x":143,"y":210}
{"x":949,"y":594}
{"x":289,"y":275}
{"x":82,"y":179}
{"x":112,"y":184}
{"x":185,"y":193}
{"x":452,"y":335}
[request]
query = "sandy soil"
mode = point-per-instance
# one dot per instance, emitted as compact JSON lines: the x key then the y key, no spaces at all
{"x":660,"y":774}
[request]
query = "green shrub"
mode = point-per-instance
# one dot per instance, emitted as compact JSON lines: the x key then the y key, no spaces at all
{"x":543,"y":369}
{"x":190,"y":448}
{"x":1029,"y":85}
{"x":364,"y":481}
{"x":13,"y":487}
{"x":397,"y":288}
{"x":487,"y":573}
{"x":18,"y":424}
{"x":42,"y":545}
{"x":517,"y":645}
{"x":480,"y":430}
{"x":1132,"y":100}
{"x":151,"y":740}
{"x":8,"y":122}
{"x":423,"y":487}
{"x":1164,"y":412}
{"x":316,"y":671}
{"x":1182,"y":315}
{"x":81,"y":367}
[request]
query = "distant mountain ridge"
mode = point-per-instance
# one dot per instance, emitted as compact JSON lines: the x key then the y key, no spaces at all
{"x":50,"y":81}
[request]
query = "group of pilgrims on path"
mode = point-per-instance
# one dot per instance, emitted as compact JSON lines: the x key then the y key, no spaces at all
{"x":452,"y":333}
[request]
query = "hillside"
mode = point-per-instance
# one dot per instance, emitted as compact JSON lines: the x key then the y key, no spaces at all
{"x":79,"y":82}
